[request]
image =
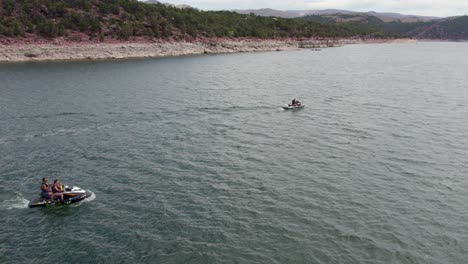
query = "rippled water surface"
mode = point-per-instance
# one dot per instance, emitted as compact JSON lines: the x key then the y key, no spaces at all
{"x":192,"y":159}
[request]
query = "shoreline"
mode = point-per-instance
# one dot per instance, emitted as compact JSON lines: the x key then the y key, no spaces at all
{"x":76,"y":51}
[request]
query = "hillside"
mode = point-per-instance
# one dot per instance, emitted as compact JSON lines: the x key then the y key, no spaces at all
{"x":118,"y":20}
{"x":367,"y":23}
{"x":104,"y":20}
{"x":455,"y":28}
{"x":388,"y":25}
{"x":386,"y":17}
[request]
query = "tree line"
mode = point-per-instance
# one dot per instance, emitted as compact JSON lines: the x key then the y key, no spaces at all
{"x":122,"y":19}
{"x":455,"y":28}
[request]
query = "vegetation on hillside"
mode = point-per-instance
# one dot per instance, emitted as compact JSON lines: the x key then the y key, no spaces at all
{"x":452,"y":28}
{"x":122,"y":19}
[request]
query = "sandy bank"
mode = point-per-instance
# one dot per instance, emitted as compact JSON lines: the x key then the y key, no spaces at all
{"x":98,"y":51}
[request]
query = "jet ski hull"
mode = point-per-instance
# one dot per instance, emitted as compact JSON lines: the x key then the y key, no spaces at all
{"x":71,"y":195}
{"x":290,"y":107}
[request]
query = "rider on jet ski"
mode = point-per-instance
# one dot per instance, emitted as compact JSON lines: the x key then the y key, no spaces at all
{"x":295,"y":102}
{"x":54,"y":190}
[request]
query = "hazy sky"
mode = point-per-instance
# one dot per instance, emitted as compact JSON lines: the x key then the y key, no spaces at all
{"x":413,"y":7}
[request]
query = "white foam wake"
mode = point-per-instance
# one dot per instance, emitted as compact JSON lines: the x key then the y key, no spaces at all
{"x":91,"y":198}
{"x":17,"y":202}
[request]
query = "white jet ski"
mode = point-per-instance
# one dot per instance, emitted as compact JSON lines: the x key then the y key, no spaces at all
{"x":71,"y":195}
{"x":295,"y":106}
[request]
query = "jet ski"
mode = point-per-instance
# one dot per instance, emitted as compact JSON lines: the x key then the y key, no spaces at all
{"x":71,"y":195}
{"x":295,"y":106}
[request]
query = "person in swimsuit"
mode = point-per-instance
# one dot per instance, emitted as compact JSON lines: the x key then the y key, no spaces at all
{"x":45,"y":193}
{"x":56,"y":190}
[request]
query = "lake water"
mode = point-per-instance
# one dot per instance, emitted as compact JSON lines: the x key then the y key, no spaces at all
{"x":192,"y":159}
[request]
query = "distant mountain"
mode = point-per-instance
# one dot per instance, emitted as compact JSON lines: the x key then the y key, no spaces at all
{"x":386,"y":17}
{"x":389,"y":17}
{"x":379,"y":24}
{"x":367,"y":23}
{"x":289,"y":13}
{"x":168,"y":4}
{"x":271,"y":12}
{"x":453,"y":28}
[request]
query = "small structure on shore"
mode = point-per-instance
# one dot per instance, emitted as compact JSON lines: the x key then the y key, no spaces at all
{"x":318,"y":44}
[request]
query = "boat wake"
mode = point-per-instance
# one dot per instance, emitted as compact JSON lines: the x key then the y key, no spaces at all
{"x":87,"y":200}
{"x":18,"y":202}
{"x":91,"y":198}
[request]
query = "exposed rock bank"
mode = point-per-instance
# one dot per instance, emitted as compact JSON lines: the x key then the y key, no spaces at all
{"x":96,"y":51}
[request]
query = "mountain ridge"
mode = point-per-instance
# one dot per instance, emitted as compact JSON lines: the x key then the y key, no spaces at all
{"x":385,"y":16}
{"x":124,"y":20}
{"x":107,"y":20}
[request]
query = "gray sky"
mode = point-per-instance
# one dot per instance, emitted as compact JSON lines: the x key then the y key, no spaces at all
{"x":413,"y":7}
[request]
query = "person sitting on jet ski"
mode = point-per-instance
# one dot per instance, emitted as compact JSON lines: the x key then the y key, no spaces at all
{"x":295,"y":102}
{"x":57,"y":190}
{"x":45,"y":190}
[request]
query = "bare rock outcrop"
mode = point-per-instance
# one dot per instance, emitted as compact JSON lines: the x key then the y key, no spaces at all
{"x":94,"y":51}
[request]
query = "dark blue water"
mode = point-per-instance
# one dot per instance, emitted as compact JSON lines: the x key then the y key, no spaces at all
{"x":192,"y":159}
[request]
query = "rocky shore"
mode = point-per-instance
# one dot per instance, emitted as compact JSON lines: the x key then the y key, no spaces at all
{"x":56,"y":51}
